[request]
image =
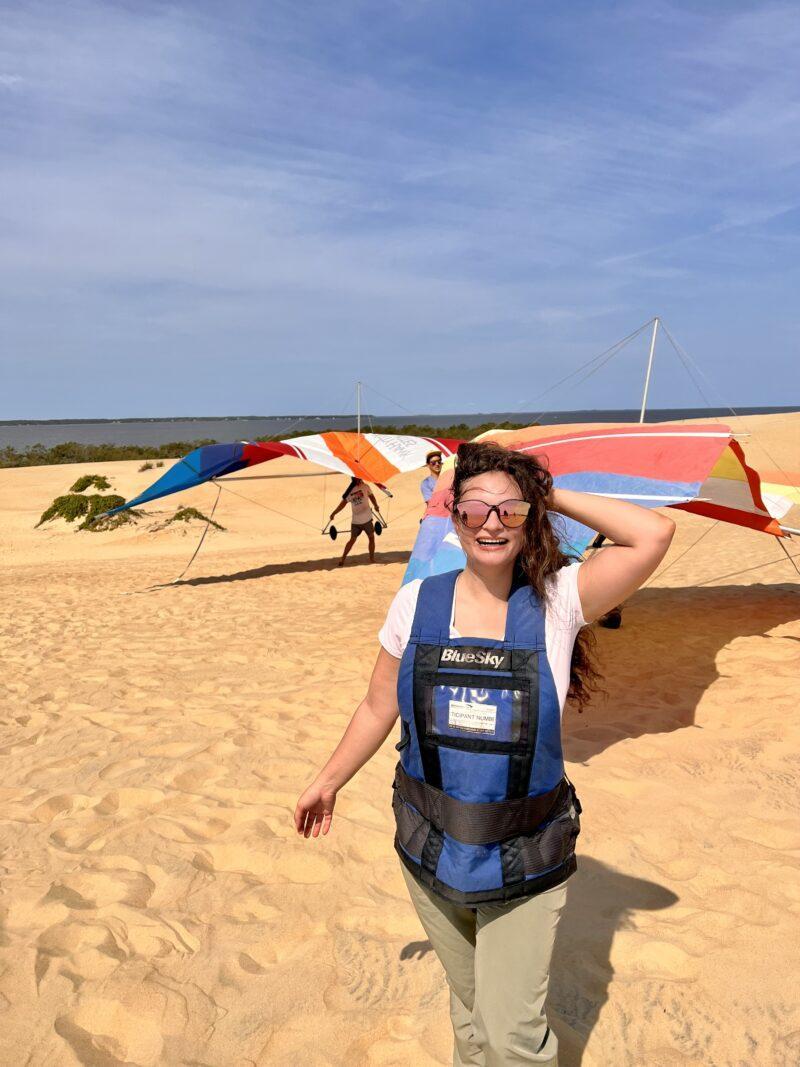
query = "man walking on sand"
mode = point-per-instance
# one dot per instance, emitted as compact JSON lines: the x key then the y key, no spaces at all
{"x":359,"y":496}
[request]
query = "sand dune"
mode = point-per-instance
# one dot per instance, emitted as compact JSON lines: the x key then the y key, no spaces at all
{"x":156,"y":906}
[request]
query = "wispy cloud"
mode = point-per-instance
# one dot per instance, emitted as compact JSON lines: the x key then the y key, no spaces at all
{"x":197,"y":209}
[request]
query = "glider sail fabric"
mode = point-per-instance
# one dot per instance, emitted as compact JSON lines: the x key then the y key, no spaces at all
{"x":375,"y":457}
{"x":734,"y":492}
{"x":698,"y":468}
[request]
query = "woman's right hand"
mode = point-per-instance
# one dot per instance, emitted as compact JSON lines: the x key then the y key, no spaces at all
{"x":314,"y":810}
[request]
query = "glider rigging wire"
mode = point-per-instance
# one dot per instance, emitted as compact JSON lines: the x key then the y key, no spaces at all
{"x":685,"y":552}
{"x":258,"y":504}
{"x":209,"y":520}
{"x":396,"y":403}
{"x":604,"y":357}
{"x":686,"y":359}
{"x":790,"y":558}
{"x":746,"y":570}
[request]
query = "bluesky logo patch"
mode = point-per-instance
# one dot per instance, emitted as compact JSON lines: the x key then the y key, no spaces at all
{"x":486,"y":659}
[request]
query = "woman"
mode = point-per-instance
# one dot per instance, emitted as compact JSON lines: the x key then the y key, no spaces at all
{"x":479,"y":663}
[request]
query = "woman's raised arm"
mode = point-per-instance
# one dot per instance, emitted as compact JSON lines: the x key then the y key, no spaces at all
{"x":368,"y":729}
{"x":641,"y":539}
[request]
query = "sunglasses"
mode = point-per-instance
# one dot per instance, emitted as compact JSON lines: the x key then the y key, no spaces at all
{"x":475,"y":513}
{"x":434,"y":463}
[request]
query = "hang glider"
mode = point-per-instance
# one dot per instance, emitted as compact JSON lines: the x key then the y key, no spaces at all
{"x":374,"y":457}
{"x":697,"y":468}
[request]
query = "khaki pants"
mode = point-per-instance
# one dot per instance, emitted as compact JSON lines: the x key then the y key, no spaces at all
{"x":497,"y":962}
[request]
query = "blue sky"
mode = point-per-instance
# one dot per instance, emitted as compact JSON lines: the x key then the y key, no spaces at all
{"x":242,"y":208}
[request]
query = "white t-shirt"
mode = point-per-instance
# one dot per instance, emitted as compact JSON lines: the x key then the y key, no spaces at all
{"x":563,"y":619}
{"x":358,"y":499}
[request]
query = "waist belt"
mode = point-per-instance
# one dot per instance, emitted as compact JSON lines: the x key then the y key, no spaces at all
{"x":478,"y":823}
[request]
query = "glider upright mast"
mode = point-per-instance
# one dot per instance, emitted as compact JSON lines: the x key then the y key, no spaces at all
{"x":649,"y":368}
{"x":358,"y":418}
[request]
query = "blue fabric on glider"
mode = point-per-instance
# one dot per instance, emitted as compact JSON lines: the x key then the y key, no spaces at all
{"x":209,"y":461}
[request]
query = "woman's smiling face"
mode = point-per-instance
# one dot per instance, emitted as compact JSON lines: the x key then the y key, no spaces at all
{"x":493,"y":545}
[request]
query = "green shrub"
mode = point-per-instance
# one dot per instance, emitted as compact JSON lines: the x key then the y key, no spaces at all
{"x":95,"y":481}
{"x":69,"y":507}
{"x":187,"y":514}
{"x":74,"y":506}
{"x":109,"y":522}
{"x":145,"y":467}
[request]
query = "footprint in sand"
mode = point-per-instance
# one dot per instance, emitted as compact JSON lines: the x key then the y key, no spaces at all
{"x":196,"y":778}
{"x":122,"y":769}
{"x":59,"y":805}
{"x":122,"y":800}
{"x":176,"y":749}
{"x":369,"y":973}
{"x":253,"y":905}
{"x":81,"y":838}
{"x":103,"y":1032}
{"x":286,"y":771}
{"x":371,"y":968}
{"x":750,"y":908}
{"x":150,"y":936}
{"x":768,"y":833}
{"x":398,"y":1052}
{"x":187,"y":829}
{"x":258,"y":958}
{"x":385,"y":882}
{"x":79,"y":950}
{"x":378,"y":922}
{"x":369,"y":850}
{"x":269,"y":865}
{"x":25,"y":742}
{"x":651,"y":959}
{"x":95,"y":888}
{"x":368,"y":816}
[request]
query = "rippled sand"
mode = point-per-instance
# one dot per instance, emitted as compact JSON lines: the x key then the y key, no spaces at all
{"x":156,"y":906}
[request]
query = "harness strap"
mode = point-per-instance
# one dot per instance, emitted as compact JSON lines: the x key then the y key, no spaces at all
{"x":431,"y":623}
{"x":480,"y":823}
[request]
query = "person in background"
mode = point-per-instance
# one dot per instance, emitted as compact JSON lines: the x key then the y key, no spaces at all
{"x":428,"y":484}
{"x":359,"y":496}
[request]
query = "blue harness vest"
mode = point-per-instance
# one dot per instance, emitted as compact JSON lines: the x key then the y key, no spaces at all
{"x":484,"y":811}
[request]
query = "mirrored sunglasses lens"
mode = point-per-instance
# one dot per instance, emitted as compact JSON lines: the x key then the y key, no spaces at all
{"x":514,"y":513}
{"x":472,"y":513}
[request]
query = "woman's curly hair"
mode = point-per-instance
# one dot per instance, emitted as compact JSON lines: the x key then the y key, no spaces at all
{"x":541,"y":553}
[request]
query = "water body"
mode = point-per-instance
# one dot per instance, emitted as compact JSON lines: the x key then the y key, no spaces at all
{"x":24,"y":434}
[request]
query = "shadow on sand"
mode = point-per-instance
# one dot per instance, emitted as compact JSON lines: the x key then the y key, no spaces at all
{"x":600,"y":901}
{"x":328,"y":563}
{"x":682,"y":630}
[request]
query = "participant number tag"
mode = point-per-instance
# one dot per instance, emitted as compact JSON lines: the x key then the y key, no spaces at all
{"x":467,"y":715}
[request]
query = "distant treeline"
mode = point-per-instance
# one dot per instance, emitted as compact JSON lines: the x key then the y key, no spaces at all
{"x":459,"y":431}
{"x":73,"y":452}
